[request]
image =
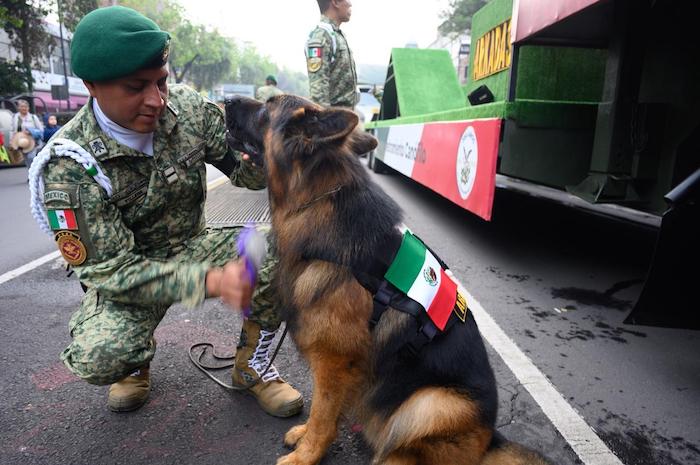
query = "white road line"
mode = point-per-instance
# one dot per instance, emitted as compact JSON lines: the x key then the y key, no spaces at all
{"x":53,"y":255}
{"x":29,"y":266}
{"x":581,"y":437}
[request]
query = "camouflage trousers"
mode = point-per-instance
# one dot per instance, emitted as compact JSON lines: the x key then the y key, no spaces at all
{"x":111,"y":339}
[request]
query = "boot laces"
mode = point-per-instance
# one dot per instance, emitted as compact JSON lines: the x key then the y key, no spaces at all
{"x":261,"y":357}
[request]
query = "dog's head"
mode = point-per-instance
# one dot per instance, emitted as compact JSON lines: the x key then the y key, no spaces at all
{"x":287,"y":127}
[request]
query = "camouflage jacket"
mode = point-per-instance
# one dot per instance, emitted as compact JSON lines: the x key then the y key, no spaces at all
{"x":130,"y":241}
{"x":331,"y":68}
{"x":265,"y":92}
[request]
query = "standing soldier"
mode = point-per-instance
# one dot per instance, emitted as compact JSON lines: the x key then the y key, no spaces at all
{"x":332,"y":76}
{"x":268,"y":90}
{"x":122,"y":188}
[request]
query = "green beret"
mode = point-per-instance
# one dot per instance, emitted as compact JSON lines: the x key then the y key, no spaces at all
{"x":114,"y":42}
{"x":271,"y":77}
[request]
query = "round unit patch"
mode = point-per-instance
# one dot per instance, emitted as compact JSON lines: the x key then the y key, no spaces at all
{"x":70,"y":246}
{"x":314,"y":64}
{"x":467,"y":160}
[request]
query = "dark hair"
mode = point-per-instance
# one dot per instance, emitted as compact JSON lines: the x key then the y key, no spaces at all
{"x":323,"y":5}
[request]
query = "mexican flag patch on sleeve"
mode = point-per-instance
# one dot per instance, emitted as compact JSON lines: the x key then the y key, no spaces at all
{"x":62,"y":219}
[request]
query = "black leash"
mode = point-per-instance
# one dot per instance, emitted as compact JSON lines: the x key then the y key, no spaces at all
{"x":206,"y":369}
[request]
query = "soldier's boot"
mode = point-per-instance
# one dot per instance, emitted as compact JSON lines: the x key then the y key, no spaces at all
{"x":131,"y":392}
{"x":274,"y":395}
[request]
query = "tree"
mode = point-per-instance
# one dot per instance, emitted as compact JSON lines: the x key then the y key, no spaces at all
{"x":458,"y":16}
{"x":23,"y":22}
{"x":217,"y":59}
{"x":72,"y":11}
{"x":12,"y":78}
{"x":253,"y":67}
{"x":196,"y":54}
{"x":293,"y":82}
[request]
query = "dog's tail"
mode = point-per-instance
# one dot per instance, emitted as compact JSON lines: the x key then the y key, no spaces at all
{"x":504,"y":452}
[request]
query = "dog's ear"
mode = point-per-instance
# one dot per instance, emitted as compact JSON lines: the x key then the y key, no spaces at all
{"x":362,"y":142}
{"x":325,"y":126}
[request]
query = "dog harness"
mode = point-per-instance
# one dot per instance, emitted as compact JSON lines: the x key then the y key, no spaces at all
{"x":415,"y":281}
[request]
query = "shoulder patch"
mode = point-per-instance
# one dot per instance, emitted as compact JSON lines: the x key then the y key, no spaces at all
{"x":314,"y":52}
{"x":313,"y":64}
{"x":57,"y":196}
{"x":70,"y":246}
{"x":98,"y":147}
{"x":314,"y":58}
{"x":62,"y":219}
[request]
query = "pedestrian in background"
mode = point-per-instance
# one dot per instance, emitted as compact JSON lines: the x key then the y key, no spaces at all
{"x":51,"y":127}
{"x":269,"y":90}
{"x":29,"y":123}
{"x":329,"y":61}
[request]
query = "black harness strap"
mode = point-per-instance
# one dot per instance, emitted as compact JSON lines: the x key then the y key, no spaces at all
{"x":382,"y":299}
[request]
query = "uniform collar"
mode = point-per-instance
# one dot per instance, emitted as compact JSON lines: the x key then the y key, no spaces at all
{"x":112,"y":148}
{"x":326,"y":19}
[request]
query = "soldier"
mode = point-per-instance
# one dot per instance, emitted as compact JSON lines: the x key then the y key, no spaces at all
{"x":268,"y":90}
{"x":123,"y":187}
{"x":332,"y":76}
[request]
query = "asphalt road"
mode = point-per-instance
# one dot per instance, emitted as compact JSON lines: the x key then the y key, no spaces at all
{"x":557,"y":283}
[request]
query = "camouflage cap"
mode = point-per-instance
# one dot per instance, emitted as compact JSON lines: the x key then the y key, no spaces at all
{"x":115,"y":41}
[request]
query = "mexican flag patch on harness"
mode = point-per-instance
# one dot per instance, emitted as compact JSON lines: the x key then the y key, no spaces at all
{"x":416,"y":272}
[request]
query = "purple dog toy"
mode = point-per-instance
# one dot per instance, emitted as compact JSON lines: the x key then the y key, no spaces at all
{"x":251,"y":248}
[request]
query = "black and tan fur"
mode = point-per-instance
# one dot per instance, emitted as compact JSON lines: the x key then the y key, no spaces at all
{"x":329,"y":220}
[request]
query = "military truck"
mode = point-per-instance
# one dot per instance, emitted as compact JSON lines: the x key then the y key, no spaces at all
{"x":590,"y":103}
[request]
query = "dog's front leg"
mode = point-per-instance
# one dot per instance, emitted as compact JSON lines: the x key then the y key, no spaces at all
{"x":334,"y":377}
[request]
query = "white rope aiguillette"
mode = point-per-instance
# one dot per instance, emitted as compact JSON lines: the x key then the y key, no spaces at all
{"x":61,"y":148}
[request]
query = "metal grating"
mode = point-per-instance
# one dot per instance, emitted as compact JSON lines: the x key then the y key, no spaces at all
{"x":229,"y":206}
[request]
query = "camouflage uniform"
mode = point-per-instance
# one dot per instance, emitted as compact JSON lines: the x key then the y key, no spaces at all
{"x":265,"y":92}
{"x":147,"y":246}
{"x":332,"y":76}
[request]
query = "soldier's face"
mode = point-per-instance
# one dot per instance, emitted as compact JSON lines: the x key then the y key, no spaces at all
{"x":344,"y":10}
{"x":135,"y":101}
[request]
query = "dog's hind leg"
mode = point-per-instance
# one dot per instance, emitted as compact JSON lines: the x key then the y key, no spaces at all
{"x":435,"y":426}
{"x":335,"y":377}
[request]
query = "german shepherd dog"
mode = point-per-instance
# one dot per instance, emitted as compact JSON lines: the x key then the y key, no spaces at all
{"x":436,"y":405}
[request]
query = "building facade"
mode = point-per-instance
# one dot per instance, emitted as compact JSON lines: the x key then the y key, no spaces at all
{"x":50,"y":72}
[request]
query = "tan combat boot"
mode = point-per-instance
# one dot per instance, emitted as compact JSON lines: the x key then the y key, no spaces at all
{"x":131,"y":392}
{"x":274,"y":395}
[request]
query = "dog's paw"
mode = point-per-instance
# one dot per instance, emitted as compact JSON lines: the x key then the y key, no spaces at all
{"x":294,"y":435}
{"x":291,"y":459}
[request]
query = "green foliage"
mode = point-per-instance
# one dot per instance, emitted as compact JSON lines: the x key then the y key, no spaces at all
{"x":254,"y":67}
{"x":72,"y":11}
{"x":293,"y":82}
{"x":217,"y":59}
{"x":12,"y":79}
{"x":197,"y":55}
{"x":458,"y":16}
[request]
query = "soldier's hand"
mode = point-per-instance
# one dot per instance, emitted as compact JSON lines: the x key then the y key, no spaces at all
{"x":245,"y":157}
{"x":232,"y":284}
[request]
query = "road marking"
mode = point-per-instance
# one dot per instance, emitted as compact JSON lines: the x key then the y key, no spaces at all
{"x":29,"y":266}
{"x":580,"y":436}
{"x":53,"y":255}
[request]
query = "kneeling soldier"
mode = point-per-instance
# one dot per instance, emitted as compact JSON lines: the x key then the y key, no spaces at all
{"x":123,"y":188}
